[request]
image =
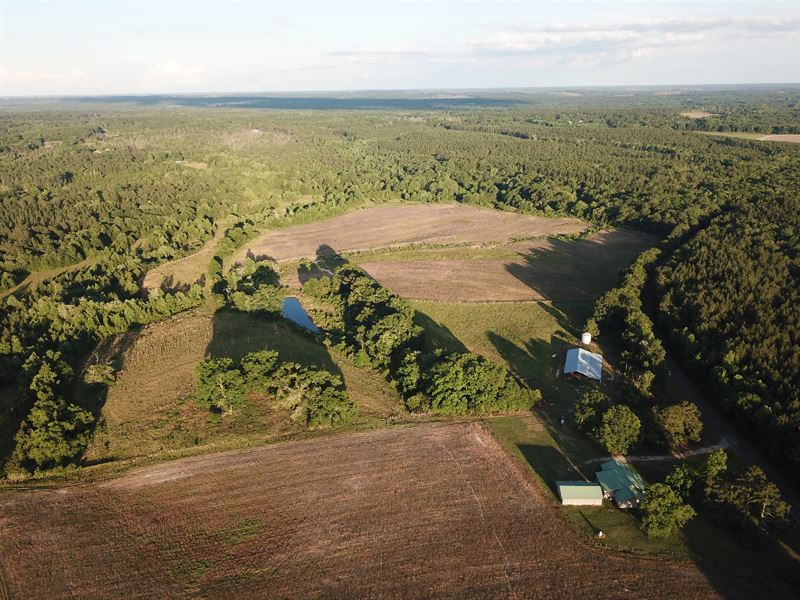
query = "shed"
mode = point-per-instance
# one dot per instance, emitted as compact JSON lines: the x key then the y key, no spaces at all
{"x":579,"y":493}
{"x":620,"y":482}
{"x":584,"y":362}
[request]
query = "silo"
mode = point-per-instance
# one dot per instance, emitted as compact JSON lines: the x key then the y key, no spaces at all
{"x":586,"y":338}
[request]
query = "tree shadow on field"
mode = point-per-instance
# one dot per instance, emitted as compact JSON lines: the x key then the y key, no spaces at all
{"x":235,"y":334}
{"x":536,"y":361}
{"x":258,"y":257}
{"x":578,"y":269}
{"x":168,"y":285}
{"x":436,"y":336}
{"x":551,"y":465}
{"x":93,"y":396}
{"x":328,"y":258}
{"x":14,"y":406}
{"x":737,"y":572}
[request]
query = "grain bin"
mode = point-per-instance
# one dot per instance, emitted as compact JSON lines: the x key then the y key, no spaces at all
{"x":586,"y":338}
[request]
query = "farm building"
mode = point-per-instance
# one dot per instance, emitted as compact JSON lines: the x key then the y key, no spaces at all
{"x":576,"y":493}
{"x":583,"y":362}
{"x":621,"y":483}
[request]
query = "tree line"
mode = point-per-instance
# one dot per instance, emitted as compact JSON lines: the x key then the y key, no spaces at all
{"x":376,"y":327}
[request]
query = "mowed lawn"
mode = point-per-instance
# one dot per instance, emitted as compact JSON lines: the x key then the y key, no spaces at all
{"x":151,"y":409}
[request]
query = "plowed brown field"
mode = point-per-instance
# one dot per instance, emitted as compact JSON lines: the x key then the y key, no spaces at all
{"x":406,"y":224}
{"x":545,"y":269}
{"x":437,"y":510}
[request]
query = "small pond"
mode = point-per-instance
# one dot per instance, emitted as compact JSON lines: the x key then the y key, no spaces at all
{"x":294,"y":311}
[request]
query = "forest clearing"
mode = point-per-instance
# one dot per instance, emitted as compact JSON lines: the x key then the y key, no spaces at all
{"x":385,"y":226}
{"x":546,"y":269}
{"x":390,"y":513}
{"x":151,"y":408}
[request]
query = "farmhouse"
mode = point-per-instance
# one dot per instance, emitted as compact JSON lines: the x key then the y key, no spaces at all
{"x":576,"y":493}
{"x":621,"y":483}
{"x":583,"y":362}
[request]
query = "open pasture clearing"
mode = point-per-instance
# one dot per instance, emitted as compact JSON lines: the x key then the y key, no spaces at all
{"x":151,"y":409}
{"x":401,"y":225}
{"x":550,"y":269}
{"x":698,"y":114}
{"x":792,"y":138}
{"x":437,"y":510}
{"x":183,"y":272}
{"x":529,"y":338}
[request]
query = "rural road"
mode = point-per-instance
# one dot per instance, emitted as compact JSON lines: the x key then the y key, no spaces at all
{"x":744,"y":448}
{"x":657,"y":457}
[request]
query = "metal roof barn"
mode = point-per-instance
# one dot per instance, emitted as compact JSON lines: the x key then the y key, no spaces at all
{"x":579,"y":493}
{"x":620,"y":482}
{"x":584,"y":362}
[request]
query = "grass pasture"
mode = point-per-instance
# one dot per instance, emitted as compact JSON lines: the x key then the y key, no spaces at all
{"x":151,"y":411}
{"x":436,"y":510}
{"x":183,"y":272}
{"x":698,"y":114}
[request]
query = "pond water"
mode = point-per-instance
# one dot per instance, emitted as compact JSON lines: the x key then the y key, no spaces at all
{"x":294,"y":311}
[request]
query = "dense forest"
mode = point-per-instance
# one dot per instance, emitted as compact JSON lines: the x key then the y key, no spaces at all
{"x":93,"y":196}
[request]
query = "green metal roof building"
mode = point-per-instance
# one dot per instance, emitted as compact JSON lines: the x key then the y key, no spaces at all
{"x":620,"y":482}
{"x":579,"y":493}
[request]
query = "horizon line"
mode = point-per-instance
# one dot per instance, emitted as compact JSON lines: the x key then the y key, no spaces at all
{"x":402,"y":90}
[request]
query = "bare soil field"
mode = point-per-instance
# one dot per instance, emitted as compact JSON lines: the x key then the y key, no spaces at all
{"x":434,"y":511}
{"x":402,"y":225}
{"x":697,"y":114}
{"x":539,"y":270}
{"x":792,"y":138}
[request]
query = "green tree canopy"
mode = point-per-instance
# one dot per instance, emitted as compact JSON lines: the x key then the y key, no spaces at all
{"x":663,"y":511}
{"x":619,"y":429}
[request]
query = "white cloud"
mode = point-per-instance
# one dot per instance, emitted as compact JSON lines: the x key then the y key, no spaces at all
{"x":589,"y":44}
{"x":171,"y":74}
{"x":27,"y":76}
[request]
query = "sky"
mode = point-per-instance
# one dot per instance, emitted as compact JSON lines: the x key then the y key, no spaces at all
{"x":144,"y":47}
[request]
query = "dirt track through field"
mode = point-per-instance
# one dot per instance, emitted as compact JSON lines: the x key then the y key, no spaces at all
{"x":437,"y":510}
{"x":385,"y":226}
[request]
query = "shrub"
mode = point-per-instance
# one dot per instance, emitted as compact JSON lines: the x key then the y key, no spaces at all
{"x":220,"y":384}
{"x":469,"y":384}
{"x":53,"y":434}
{"x":585,"y":414}
{"x":312,"y":396}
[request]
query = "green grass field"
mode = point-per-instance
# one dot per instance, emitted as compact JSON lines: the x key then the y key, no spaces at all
{"x":151,"y":410}
{"x":530,"y":442}
{"x":530,"y":338}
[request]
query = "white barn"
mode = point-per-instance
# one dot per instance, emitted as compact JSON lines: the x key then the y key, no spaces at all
{"x":584,"y":362}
